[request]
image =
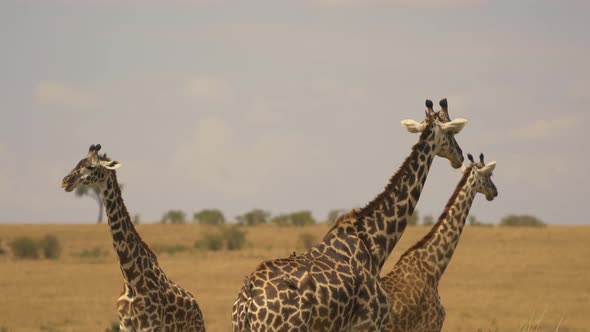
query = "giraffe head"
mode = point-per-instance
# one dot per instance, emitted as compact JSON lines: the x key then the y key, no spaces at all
{"x":439,"y":130}
{"x":90,"y":170}
{"x":483,"y":176}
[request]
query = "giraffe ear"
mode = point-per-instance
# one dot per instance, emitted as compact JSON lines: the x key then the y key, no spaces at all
{"x":413,"y":126}
{"x":489,"y":168}
{"x":454,"y":126}
{"x":110,"y":164}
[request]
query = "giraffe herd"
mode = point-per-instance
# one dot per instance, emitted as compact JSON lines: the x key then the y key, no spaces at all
{"x":337,"y":284}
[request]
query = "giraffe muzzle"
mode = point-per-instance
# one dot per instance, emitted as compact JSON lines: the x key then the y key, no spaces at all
{"x":457,"y":163}
{"x":491,"y":197}
{"x":68,"y":184}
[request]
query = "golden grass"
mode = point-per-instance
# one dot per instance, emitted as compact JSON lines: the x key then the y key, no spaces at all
{"x":497,"y":280}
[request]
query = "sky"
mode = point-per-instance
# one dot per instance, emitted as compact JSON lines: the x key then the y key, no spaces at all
{"x":289,"y":105}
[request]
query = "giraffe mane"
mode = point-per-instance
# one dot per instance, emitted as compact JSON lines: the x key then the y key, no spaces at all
{"x":396,"y":178}
{"x":444,"y":214}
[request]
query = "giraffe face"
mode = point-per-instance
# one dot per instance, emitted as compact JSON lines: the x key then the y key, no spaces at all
{"x":442,"y":131}
{"x":445,"y":142}
{"x":483,"y":178}
{"x":89,"y":171}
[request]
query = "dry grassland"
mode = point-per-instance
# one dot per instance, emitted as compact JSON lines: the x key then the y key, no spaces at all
{"x":498,"y":278}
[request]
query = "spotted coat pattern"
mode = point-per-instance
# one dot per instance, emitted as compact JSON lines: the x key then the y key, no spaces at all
{"x":412,"y":285}
{"x":150,"y":301}
{"x":335,"y":286}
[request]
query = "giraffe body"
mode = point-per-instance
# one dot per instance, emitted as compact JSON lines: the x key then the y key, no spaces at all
{"x":323,"y":288}
{"x":412,"y":285}
{"x":335,"y":286}
{"x":149,"y":301}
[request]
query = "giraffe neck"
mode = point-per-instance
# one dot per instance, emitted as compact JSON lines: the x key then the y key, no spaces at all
{"x":440,"y":243}
{"x":134,"y":255}
{"x":382,"y":222}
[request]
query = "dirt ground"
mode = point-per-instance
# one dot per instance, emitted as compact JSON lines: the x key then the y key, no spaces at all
{"x":498,"y":278}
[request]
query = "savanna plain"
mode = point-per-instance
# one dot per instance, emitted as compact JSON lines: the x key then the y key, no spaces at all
{"x":498,"y":278}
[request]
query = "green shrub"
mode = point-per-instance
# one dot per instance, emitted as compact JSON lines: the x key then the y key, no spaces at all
{"x":50,"y":246}
{"x":281,"y":220}
{"x":299,"y":218}
{"x":230,"y":238}
{"x":25,"y":247}
{"x":428,"y":220}
{"x":302,"y":218}
{"x":2,"y":252}
{"x":234,"y":237}
{"x":414,"y":218}
{"x":173,"y":217}
{"x":307,"y":240}
{"x":211,"y":241}
{"x":114,"y":327}
{"x":169,"y":249}
{"x":209,"y":217}
{"x":333,"y":215}
{"x":521,"y":220}
{"x":254,"y":217}
{"x":95,"y":252}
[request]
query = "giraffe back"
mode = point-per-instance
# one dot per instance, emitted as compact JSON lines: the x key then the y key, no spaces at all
{"x":330,"y":288}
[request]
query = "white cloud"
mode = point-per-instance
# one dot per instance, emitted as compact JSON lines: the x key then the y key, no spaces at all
{"x":215,"y":157}
{"x":209,"y":89}
{"x":545,"y":128}
{"x":57,"y":94}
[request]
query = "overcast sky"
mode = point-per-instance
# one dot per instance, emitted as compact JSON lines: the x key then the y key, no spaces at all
{"x":290,"y":105}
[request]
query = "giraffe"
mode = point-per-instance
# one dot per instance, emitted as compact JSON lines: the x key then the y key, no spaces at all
{"x":335,"y":286}
{"x":412,"y":285}
{"x":149,"y":301}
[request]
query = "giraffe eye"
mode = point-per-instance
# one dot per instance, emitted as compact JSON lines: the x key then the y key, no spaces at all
{"x":92,"y":168}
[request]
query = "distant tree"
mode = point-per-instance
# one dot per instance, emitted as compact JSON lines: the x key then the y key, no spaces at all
{"x":209,"y":217}
{"x":333,"y":215}
{"x":414,"y":218}
{"x":302,"y":218}
{"x":281,"y":220}
{"x":298,"y":218}
{"x":428,"y":220}
{"x":136,"y":219}
{"x":521,"y":220}
{"x":94,"y":193}
{"x":173,"y":217}
{"x":254,"y":217}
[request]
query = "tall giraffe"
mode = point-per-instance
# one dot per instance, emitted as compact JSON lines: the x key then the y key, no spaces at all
{"x":335,"y":286}
{"x":412,"y":285}
{"x":149,"y":301}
